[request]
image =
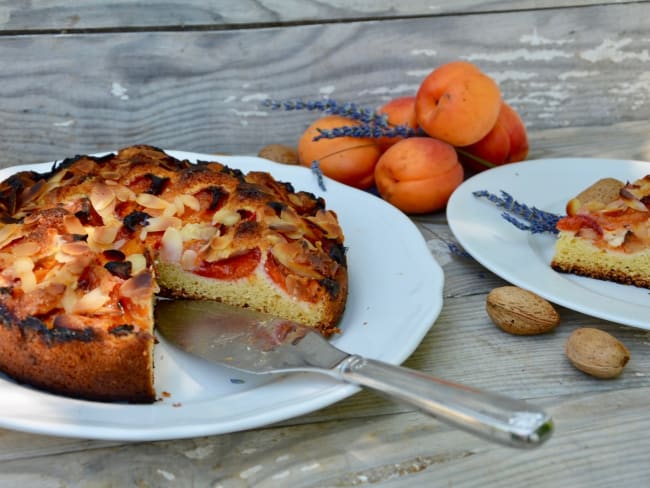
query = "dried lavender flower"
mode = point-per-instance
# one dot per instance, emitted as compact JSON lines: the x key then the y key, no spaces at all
{"x":536,"y":221}
{"x":332,"y":107}
{"x":315,"y":167}
{"x":457,"y":250}
{"x":367,"y":130}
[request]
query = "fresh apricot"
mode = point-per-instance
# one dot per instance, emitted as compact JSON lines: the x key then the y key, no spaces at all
{"x":399,"y":111}
{"x":350,"y":160}
{"x":457,"y":103}
{"x":507,"y":142}
{"x":418,"y":174}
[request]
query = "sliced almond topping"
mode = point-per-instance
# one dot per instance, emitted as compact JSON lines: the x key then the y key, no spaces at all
{"x":218,"y":248}
{"x":632,"y":201}
{"x":151,"y":201}
{"x":28,"y":282}
{"x":69,"y":299}
{"x":138,"y":262}
{"x":139,"y":287}
{"x":123,"y":193}
{"x":171,"y":210}
{"x":226,"y":217}
{"x":29,"y":248}
{"x":23,"y":264}
{"x":326,"y":221}
{"x":202,"y":232}
{"x":23,"y":267}
{"x":73,"y":225}
{"x":75,"y":248}
{"x":188,"y":259}
{"x":159,"y":224}
{"x":8,"y":233}
{"x":90,"y":302}
{"x":103,"y":235}
{"x":101,"y":196}
{"x":288,"y":254}
{"x":190,"y":201}
{"x":171,"y":246}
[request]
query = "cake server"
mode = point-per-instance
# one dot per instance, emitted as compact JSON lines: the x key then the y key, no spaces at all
{"x":258,"y":343}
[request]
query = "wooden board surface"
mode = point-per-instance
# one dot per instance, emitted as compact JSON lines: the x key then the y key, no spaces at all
{"x":80,"y":15}
{"x":92,"y":76}
{"x":202,"y":91}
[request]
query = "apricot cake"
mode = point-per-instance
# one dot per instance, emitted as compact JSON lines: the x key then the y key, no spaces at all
{"x":606,"y":233}
{"x":86,"y":247}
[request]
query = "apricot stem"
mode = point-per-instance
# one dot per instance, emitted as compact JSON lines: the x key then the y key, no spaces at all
{"x":481,"y":161}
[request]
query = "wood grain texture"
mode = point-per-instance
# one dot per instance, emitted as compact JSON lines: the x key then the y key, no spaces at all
{"x":202,"y":91}
{"x":596,"y":435}
{"x":191,"y":76}
{"x":66,"y":16}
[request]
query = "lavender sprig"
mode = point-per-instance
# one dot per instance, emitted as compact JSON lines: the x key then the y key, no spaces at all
{"x":538,"y":221}
{"x":315,"y":168}
{"x":332,"y":107}
{"x":367,"y":131}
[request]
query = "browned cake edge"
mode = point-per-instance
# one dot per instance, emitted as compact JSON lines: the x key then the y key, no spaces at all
{"x":578,"y":256}
{"x":114,"y":366}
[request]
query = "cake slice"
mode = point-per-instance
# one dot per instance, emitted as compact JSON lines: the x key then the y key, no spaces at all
{"x":606,"y":233}
{"x":86,"y":248}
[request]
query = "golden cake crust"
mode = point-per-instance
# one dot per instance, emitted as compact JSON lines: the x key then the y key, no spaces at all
{"x":606,"y":233}
{"x":86,"y":247}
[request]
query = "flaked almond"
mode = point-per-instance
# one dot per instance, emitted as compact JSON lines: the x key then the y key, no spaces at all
{"x":160,"y":224}
{"x":101,"y":196}
{"x":123,"y":193}
{"x":90,"y":302}
{"x":597,"y":353}
{"x":102,"y":235}
{"x":139,"y":287}
{"x":196,"y":231}
{"x":189,"y":201}
{"x":288,"y":254}
{"x":138,"y":262}
{"x":8,"y":233}
{"x":327,"y":222}
{"x":152,"y":201}
{"x":521,"y":312}
{"x":219,"y":247}
{"x":23,"y":268}
{"x":188,"y":259}
{"x":75,"y":248}
{"x":73,"y":225}
{"x":29,"y":248}
{"x":226,"y":217}
{"x":23,"y":264}
{"x":171,"y":246}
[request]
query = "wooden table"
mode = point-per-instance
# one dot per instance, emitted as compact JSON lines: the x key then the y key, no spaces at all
{"x":82,"y":77}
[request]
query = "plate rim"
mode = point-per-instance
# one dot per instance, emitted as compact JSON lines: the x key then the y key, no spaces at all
{"x":328,"y":394}
{"x":457,"y":210}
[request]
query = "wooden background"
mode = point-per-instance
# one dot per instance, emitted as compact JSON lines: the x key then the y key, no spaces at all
{"x":87,"y":76}
{"x":82,"y":76}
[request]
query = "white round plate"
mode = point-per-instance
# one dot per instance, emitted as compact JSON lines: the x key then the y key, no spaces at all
{"x":395,"y":297}
{"x":523,"y":258}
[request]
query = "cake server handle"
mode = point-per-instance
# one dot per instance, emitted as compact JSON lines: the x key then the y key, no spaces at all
{"x":495,"y":417}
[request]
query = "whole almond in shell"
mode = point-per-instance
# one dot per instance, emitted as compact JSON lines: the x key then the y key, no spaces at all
{"x":520,"y":312}
{"x":279,"y":153}
{"x":597,"y":353}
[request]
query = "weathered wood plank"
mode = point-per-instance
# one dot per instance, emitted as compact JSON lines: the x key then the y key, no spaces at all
{"x":57,"y":15}
{"x":595,"y":436}
{"x":202,"y":91}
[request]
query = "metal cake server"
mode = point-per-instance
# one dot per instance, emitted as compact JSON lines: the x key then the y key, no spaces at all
{"x":258,"y":343}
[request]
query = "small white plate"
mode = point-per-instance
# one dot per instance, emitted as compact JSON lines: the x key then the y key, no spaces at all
{"x":395,"y":296}
{"x":523,"y":258}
